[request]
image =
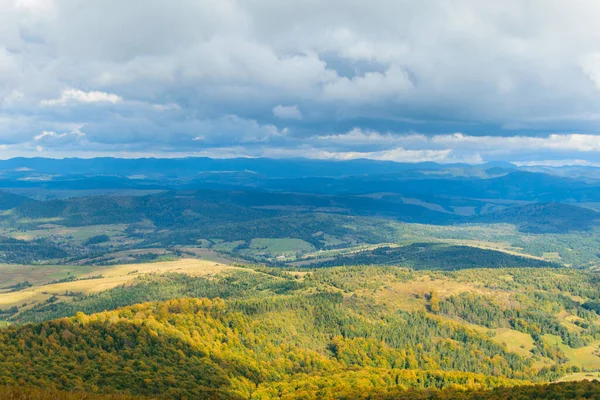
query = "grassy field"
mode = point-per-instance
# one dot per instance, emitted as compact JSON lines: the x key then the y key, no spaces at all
{"x":228,"y":246}
{"x":208,"y":255}
{"x":332,"y":240}
{"x":11,"y":274}
{"x":498,"y":246}
{"x":552,"y":256}
{"x":580,"y":376}
{"x":97,"y":279}
{"x":275,"y":247}
{"x":410,"y":296}
{"x":317,"y":256}
{"x":124,"y":256}
{"x":583,"y":357}
{"x":80,"y":234}
{"x":515,"y":341}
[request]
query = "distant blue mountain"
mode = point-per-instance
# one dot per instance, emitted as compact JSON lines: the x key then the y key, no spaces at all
{"x":437,"y":182}
{"x":186,"y":167}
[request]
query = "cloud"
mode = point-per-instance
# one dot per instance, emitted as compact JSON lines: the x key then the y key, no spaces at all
{"x":557,"y":163}
{"x":555,"y":142}
{"x":399,"y":154}
{"x":79,"y":96}
{"x":590,"y":64}
{"x":270,"y":141}
{"x":261,"y":77}
{"x":53,"y":139}
{"x":373,"y":86}
{"x":166,"y":107}
{"x":287,"y":112}
{"x":468,"y":147}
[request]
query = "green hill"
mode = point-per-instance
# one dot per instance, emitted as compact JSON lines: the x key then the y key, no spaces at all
{"x":556,"y":391}
{"x":436,"y":256}
{"x":206,"y":348}
{"x":325,"y":333}
{"x":546,"y":217}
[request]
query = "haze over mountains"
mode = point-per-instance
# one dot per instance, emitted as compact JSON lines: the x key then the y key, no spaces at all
{"x":276,"y":168}
{"x":420,"y":192}
{"x":231,"y":205}
{"x":294,"y":174}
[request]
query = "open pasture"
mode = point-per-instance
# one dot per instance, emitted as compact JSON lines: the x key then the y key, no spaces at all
{"x":95,"y":279}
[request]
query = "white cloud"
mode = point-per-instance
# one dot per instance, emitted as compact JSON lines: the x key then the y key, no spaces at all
{"x":397,"y":154}
{"x":373,"y":86}
{"x":356,"y":47}
{"x":358,"y":136}
{"x":53,"y":139}
{"x":79,"y":96}
{"x":554,"y":142}
{"x":34,"y":5}
{"x":590,"y":64}
{"x":287,"y":112}
{"x":166,"y":107}
{"x":386,"y":66}
{"x":12,"y":98}
{"x":467,"y":147}
{"x":557,"y":163}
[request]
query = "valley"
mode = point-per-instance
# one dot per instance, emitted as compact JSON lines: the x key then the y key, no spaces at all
{"x":265,"y":293}
{"x":299,"y":200}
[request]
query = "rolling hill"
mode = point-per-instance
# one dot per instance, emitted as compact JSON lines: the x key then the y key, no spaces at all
{"x":340,"y":332}
{"x":546,"y":217}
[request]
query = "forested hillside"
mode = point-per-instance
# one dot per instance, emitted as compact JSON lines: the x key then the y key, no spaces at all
{"x":436,"y":256}
{"x":556,"y":391}
{"x":345,"y":332}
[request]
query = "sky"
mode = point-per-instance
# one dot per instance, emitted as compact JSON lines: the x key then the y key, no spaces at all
{"x":430,"y":80}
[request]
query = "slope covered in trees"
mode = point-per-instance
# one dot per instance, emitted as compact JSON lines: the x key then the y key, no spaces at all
{"x":201,"y":347}
{"x":546,"y":217}
{"x":556,"y":391}
{"x":436,"y":256}
{"x":267,"y":333}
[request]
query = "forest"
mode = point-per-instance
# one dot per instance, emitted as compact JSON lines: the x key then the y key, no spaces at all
{"x":557,"y":391}
{"x":346,"y":332}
